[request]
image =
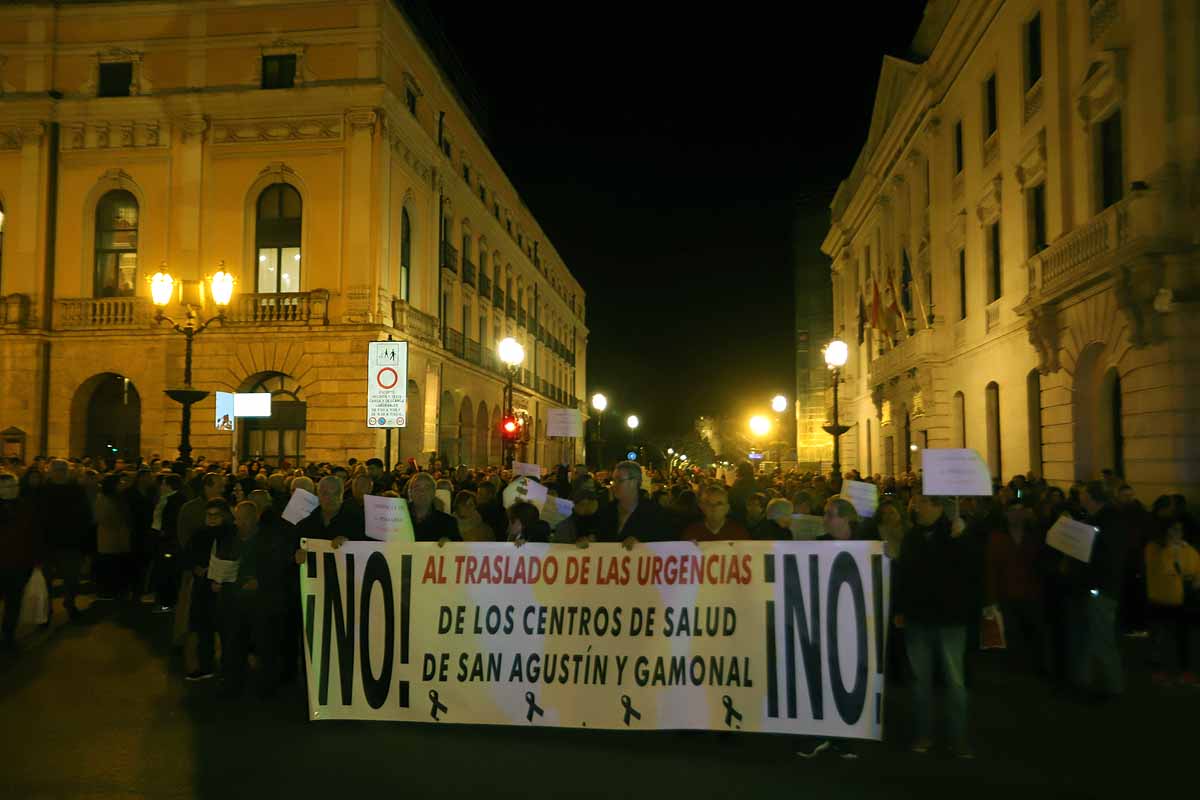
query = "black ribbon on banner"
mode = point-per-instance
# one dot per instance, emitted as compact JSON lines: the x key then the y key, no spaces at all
{"x":630,"y":711}
{"x":731,"y":713}
{"x":437,"y":704}
{"x":534,"y":708}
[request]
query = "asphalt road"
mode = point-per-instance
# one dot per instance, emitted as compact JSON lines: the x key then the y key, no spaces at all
{"x":98,"y":709}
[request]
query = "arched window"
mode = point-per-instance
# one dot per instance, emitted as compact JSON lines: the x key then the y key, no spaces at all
{"x":277,"y":239}
{"x":116,"y":244}
{"x":405,"y":252}
{"x":992,"y":408}
{"x":1033,"y":390}
{"x":279,"y":437}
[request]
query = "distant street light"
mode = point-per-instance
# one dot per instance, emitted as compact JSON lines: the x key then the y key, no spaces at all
{"x":599,"y":403}
{"x":779,"y":404}
{"x":633,"y":422}
{"x":670,"y":451}
{"x":512,"y":355}
{"x":836,"y":353}
{"x":759,"y":425}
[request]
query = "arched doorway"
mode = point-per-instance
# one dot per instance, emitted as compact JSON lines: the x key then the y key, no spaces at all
{"x":1097,"y":404}
{"x":497,"y":441}
{"x":466,"y":432}
{"x":482,"y":458}
{"x":106,"y":417}
{"x":279,"y":438}
{"x":1033,"y":397}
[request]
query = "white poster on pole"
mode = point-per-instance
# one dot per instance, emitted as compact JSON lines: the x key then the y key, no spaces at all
{"x":863,"y":496}
{"x":564,"y":422}
{"x":387,"y":384}
{"x":1073,"y":538}
{"x":300,"y":506}
{"x":780,"y":637}
{"x":954,"y":472}
{"x":388,"y":519}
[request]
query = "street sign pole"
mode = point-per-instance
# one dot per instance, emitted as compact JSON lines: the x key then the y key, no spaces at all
{"x":387,"y":441}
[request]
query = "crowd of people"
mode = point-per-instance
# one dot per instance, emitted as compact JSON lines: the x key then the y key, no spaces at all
{"x":207,"y":542}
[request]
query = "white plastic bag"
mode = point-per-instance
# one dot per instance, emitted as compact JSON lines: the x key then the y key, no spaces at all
{"x":35,"y":600}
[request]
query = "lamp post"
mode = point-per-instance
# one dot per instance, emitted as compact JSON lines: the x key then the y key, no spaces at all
{"x":599,"y":403}
{"x":779,"y":404}
{"x":760,"y":426}
{"x":836,"y":354}
{"x":512,"y":355}
{"x":162,"y":290}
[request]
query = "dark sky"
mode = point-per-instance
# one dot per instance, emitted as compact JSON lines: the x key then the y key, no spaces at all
{"x":668,"y":153}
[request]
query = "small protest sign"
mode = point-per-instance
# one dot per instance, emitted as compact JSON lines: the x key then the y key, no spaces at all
{"x":524,"y":490}
{"x":954,"y":472}
{"x":564,"y":422}
{"x":863,"y":496}
{"x":555,"y":510}
{"x":300,"y":506}
{"x":1073,"y":538}
{"x":532,"y":470}
{"x":388,"y":519}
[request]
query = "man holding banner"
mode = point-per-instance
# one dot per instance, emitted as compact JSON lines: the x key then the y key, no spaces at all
{"x":629,"y":518}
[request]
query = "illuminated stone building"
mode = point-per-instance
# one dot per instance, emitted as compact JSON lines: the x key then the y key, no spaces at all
{"x":324,"y":156}
{"x":1031,"y":183}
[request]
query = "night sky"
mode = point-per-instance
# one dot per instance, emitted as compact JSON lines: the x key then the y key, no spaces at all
{"x":679,"y":160}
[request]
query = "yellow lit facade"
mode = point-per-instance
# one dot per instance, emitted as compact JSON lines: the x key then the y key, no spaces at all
{"x":317,"y":152}
{"x":1038,"y":173}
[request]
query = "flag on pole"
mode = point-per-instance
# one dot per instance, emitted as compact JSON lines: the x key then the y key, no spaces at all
{"x":862,"y":319}
{"x":894,"y":304}
{"x":876,"y":307}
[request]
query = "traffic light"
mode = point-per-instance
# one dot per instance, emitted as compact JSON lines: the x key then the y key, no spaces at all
{"x":510,"y":429}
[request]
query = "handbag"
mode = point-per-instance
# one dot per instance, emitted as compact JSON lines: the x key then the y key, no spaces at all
{"x":35,"y":600}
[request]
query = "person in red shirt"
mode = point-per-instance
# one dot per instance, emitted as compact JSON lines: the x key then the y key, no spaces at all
{"x":716,"y":525}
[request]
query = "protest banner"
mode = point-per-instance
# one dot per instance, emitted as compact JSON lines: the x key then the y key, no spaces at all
{"x":1073,"y":538}
{"x":783,"y":637}
{"x":388,"y":519}
{"x":954,"y":472}
{"x":300,"y":506}
{"x":863,"y":496}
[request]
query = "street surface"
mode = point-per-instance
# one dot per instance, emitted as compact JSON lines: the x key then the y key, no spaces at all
{"x":98,"y":709}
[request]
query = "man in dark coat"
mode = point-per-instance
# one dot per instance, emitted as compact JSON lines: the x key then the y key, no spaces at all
{"x":1095,"y":589}
{"x":21,"y":549}
{"x":65,"y":516}
{"x":429,"y":524}
{"x":935,"y":599}
{"x":631,"y":518}
{"x":334,"y":519}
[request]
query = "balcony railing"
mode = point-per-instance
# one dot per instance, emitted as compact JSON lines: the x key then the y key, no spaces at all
{"x":491,"y":361}
{"x":415,"y":323}
{"x":474,"y":353}
{"x":449,"y":257}
{"x":485,"y":287}
{"x":14,"y":311}
{"x":452,"y":340}
{"x":910,"y":352}
{"x":468,"y":272}
{"x":498,"y":297}
{"x":102,"y":313}
{"x":285,"y":308}
{"x":1083,"y":255}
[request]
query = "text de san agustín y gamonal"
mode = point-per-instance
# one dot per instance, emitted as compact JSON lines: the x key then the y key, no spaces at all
{"x":594,"y":622}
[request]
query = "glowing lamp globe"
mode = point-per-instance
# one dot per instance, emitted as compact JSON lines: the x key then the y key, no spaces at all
{"x":779,"y":404}
{"x":599,"y":402}
{"x":759,"y":425}
{"x":633,"y":421}
{"x":512,"y":354}
{"x":162,"y":286}
{"x":222,"y":287}
{"x":836,"y":354}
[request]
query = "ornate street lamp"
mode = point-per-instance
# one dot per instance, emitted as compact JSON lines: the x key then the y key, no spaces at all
{"x":512,"y":355}
{"x":779,"y":404}
{"x":632,"y":421}
{"x":836,"y":354}
{"x":162,"y":291}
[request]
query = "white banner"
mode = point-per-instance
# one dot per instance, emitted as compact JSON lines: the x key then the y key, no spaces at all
{"x":387,"y":384}
{"x":783,"y":637}
{"x":953,"y":472}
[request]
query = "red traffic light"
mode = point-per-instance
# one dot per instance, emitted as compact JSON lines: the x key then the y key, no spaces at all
{"x":509,"y":428}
